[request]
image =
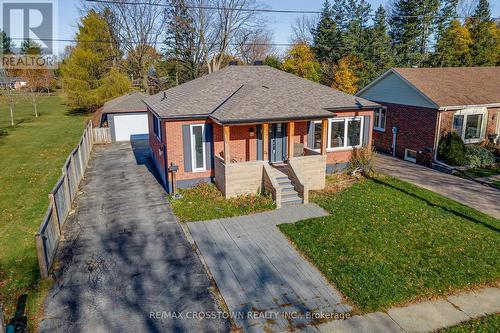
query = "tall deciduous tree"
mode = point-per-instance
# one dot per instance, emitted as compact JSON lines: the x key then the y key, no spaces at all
{"x":88,"y":63}
{"x":345,"y":78}
{"x":300,"y":60}
{"x":483,"y":32}
{"x":453,"y":49}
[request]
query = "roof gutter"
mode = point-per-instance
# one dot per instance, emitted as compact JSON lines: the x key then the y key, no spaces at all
{"x":458,"y":107}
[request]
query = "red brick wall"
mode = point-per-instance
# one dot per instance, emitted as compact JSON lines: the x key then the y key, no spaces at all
{"x":416,"y":128}
{"x":491,"y":125}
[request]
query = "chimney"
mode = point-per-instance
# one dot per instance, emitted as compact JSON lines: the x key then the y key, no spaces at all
{"x":233,"y":63}
{"x":258,"y":63}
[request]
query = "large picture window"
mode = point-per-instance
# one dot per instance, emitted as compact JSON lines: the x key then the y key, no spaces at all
{"x":198,"y":154}
{"x":469,"y":124}
{"x":345,"y":133}
{"x":379,"y":120}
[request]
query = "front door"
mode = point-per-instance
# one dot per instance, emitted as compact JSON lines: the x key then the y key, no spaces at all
{"x":277,"y":142}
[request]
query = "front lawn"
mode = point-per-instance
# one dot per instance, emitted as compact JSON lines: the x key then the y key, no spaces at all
{"x":388,"y":242}
{"x":488,"y":324}
{"x":205,"y":202}
{"x":32,"y":155}
{"x":482,"y":173}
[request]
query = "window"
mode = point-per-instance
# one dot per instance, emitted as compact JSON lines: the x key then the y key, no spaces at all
{"x":157,"y":127}
{"x":317,"y":134}
{"x":469,"y":124}
{"x":345,"y":133}
{"x":379,"y":120}
{"x":410,"y":155}
{"x":198,"y":154}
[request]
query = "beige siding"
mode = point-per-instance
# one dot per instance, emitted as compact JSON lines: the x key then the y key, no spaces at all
{"x":311,"y":170}
{"x":235,"y":179}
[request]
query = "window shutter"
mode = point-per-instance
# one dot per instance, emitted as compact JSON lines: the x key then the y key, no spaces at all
{"x":259,"y":142}
{"x":310,"y":134}
{"x":186,"y":145}
{"x":366,"y":131}
{"x":209,"y":146}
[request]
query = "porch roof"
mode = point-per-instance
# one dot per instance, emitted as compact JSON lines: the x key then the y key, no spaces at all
{"x":251,"y":94}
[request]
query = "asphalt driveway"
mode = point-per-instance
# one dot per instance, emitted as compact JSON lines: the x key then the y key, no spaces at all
{"x":126,"y":265}
{"x":483,"y":198}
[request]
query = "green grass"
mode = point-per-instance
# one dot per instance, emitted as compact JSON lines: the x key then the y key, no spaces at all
{"x":32,"y":155}
{"x":205,"y":202}
{"x":388,"y":242}
{"x":488,"y":324}
{"x":482,"y":172}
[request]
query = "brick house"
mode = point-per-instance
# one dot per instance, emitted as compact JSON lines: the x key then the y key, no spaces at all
{"x":423,"y":104}
{"x":255,"y":128}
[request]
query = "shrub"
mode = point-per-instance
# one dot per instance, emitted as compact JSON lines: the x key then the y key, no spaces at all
{"x":451,"y":149}
{"x":362,"y":158}
{"x":478,"y":157}
{"x":3,"y":132}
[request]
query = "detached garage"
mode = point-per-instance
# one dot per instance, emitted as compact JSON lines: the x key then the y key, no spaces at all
{"x":125,"y":116}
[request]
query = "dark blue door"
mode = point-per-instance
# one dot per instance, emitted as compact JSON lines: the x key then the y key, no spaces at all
{"x":277,"y":142}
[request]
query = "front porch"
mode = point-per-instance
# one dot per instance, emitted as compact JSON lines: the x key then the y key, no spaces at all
{"x":270,"y":157}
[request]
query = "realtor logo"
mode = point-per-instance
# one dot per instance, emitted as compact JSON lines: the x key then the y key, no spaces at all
{"x":32,"y":19}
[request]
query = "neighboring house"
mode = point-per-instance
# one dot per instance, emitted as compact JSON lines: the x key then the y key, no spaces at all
{"x":423,"y":104}
{"x":15,"y":83}
{"x":126,"y":116}
{"x":231,"y":125}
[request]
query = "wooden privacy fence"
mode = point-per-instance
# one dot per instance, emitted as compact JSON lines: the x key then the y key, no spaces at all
{"x":61,"y":198}
{"x":102,"y":135}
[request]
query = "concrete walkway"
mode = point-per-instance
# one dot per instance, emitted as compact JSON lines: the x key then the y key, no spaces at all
{"x":422,"y":317}
{"x":126,"y":263}
{"x":472,"y":194}
{"x":257,"y":270}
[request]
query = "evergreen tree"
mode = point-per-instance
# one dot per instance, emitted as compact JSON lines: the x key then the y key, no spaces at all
{"x":447,"y":14}
{"x":326,"y":37}
{"x":90,"y":65}
{"x":483,"y":33}
{"x":379,"y":45}
{"x":453,"y":49}
{"x":339,"y":13}
{"x":5,"y":43}
{"x":355,"y":37}
{"x":412,"y":25}
{"x":29,"y":46}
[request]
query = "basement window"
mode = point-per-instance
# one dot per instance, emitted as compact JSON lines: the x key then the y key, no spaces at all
{"x":410,"y":155}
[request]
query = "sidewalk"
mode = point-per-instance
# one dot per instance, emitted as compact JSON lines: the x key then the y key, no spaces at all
{"x":422,"y":317}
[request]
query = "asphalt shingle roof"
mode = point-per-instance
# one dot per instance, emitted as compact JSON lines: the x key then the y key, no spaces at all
{"x":252,"y":93}
{"x":126,"y":103}
{"x":456,"y":86}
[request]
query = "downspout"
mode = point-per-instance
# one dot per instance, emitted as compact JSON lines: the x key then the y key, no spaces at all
{"x":436,"y":135}
{"x":394,"y":140}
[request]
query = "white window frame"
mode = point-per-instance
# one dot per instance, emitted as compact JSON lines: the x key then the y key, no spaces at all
{"x":346,"y":126}
{"x":193,"y":153}
{"x":408,"y":158}
{"x":380,"y":127}
{"x":471,"y":112}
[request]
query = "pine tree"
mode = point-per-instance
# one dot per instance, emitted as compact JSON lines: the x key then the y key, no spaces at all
{"x":5,"y":43}
{"x":326,"y":36}
{"x":379,"y":45}
{"x":412,"y":25}
{"x":447,"y":14}
{"x":483,"y":33}
{"x":29,"y":46}
{"x":300,"y":60}
{"x":453,"y":49}
{"x":355,"y":37}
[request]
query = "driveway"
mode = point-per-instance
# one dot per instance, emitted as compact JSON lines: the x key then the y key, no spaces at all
{"x":472,"y":194}
{"x":267,"y":285}
{"x":126,"y":265}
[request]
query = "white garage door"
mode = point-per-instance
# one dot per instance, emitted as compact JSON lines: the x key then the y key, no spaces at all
{"x":127,"y":125}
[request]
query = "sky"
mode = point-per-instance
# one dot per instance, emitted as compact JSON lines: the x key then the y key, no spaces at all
{"x":280,"y":24}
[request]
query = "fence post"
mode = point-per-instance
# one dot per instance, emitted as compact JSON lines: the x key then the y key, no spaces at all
{"x":55,"y":213}
{"x":40,"y":252}
{"x":67,"y":194}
